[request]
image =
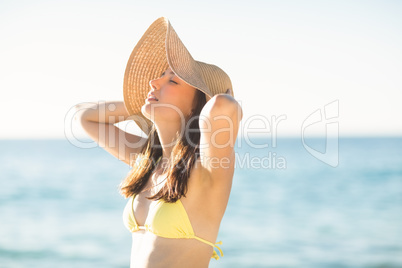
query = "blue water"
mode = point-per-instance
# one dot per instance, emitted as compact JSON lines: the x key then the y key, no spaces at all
{"x":60,"y":207}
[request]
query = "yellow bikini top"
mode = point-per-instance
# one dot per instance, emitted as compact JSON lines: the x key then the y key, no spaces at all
{"x":169,"y":220}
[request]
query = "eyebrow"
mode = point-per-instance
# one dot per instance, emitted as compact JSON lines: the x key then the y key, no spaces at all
{"x":170,"y":72}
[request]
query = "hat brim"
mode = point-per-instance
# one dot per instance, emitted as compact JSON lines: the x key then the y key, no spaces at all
{"x":160,"y":48}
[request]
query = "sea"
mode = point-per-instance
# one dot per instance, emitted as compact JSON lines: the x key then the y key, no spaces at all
{"x":333,"y":203}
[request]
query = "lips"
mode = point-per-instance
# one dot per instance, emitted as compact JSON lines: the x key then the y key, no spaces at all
{"x":151,"y":97}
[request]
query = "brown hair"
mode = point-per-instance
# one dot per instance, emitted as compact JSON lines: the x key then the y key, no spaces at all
{"x":186,"y":152}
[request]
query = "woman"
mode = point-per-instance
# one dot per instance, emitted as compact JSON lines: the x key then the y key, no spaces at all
{"x":181,"y":175}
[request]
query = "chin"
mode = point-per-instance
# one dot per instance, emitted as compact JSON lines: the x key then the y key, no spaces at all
{"x":146,"y":111}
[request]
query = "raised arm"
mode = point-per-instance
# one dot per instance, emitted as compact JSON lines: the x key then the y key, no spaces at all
{"x":98,"y":119}
{"x":219,"y":124}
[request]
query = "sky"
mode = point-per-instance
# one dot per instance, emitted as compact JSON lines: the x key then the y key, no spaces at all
{"x":296,"y":66}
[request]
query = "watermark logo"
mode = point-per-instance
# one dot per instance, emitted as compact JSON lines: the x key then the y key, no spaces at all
{"x":108,"y":137}
{"x":328,"y":115}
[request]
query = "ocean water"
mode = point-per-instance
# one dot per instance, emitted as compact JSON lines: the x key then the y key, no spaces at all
{"x":60,"y":207}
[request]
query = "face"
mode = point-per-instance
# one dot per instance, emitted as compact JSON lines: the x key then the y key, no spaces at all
{"x":169,"y":98}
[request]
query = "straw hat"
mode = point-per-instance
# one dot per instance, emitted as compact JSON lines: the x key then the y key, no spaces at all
{"x":159,"y":48}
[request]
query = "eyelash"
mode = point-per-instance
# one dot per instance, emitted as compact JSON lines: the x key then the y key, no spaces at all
{"x":169,"y":80}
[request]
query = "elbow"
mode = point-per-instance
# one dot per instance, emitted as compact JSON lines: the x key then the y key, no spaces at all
{"x":223,"y":104}
{"x":83,"y":109}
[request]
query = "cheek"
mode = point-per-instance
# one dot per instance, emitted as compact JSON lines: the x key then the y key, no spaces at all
{"x":175,"y":105}
{"x":170,"y":95}
{"x":181,"y":99}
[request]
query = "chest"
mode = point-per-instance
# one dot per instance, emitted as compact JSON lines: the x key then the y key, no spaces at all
{"x":142,"y":205}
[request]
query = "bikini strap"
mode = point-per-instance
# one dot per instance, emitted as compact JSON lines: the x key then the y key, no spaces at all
{"x":214,"y":254}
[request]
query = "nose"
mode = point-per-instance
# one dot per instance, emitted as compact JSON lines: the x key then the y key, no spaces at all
{"x":153,"y":84}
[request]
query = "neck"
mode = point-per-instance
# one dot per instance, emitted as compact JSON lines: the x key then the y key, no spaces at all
{"x":168,"y":135}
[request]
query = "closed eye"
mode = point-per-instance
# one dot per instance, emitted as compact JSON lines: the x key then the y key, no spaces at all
{"x":174,"y":82}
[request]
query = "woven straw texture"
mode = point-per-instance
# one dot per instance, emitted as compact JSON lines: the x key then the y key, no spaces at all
{"x":159,"y":48}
